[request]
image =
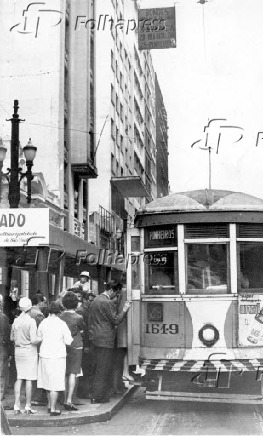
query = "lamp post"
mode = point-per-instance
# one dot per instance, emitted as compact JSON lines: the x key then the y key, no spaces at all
{"x":15,"y":174}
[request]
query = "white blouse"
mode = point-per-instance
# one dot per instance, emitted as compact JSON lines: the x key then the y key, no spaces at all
{"x":55,"y":335}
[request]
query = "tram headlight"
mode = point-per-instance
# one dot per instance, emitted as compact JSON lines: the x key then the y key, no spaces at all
{"x":209,"y":335}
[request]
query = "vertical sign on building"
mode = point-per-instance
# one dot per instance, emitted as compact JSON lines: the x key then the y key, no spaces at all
{"x":156,"y":28}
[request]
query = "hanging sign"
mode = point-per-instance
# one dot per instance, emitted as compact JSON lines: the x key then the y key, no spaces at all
{"x":250,"y":322}
{"x":156,"y":28}
{"x":20,"y":227}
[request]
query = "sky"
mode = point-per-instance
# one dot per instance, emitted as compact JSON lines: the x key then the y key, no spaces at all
{"x":216,"y":71}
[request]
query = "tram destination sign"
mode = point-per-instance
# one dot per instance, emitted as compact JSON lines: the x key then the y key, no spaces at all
{"x":20,"y":227}
{"x":160,"y":237}
{"x":156,"y":28}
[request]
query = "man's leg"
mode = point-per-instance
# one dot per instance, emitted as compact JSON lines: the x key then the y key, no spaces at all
{"x":103,"y":366}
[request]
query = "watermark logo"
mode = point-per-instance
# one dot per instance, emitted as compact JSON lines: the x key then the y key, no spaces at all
{"x":107,"y":22}
{"x":213,"y":134}
{"x":30,"y":23}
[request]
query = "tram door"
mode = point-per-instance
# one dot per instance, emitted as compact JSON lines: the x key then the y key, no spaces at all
{"x":134,"y":264}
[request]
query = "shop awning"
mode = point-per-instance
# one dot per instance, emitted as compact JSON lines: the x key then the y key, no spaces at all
{"x":130,"y":186}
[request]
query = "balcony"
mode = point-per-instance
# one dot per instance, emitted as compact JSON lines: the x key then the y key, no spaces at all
{"x":86,"y":170}
{"x":107,"y":223}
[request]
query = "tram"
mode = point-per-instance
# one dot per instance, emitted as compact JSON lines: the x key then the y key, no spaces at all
{"x":195,"y":280}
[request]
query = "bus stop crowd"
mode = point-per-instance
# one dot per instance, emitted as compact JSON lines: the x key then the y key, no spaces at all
{"x":74,"y":347}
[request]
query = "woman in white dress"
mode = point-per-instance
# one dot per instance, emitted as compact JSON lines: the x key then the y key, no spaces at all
{"x":24,"y":335}
{"x":54,"y":335}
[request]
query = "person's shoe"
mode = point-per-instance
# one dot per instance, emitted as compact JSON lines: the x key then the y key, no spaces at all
{"x":70,"y":407}
{"x":30,"y":411}
{"x":48,"y":410}
{"x":16,"y":410}
{"x":55,"y":413}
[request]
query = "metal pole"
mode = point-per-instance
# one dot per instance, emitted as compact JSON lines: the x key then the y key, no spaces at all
{"x":14,"y":185}
{"x":29,"y":179}
{"x":210,"y":169}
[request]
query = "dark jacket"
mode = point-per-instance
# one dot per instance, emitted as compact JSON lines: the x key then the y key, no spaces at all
{"x":103,"y":319}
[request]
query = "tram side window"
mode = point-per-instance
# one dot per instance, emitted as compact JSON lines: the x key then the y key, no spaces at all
{"x":250,"y":277}
{"x":161,"y":273}
{"x":135,"y":262}
{"x":207,"y":271}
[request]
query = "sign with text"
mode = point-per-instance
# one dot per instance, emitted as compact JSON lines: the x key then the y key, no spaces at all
{"x":160,"y":237}
{"x":19,"y":227}
{"x":250,"y":329}
{"x":156,"y":28}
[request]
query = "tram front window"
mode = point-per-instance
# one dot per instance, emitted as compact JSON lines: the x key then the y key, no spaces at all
{"x":207,"y":269}
{"x":250,"y":277}
{"x":161,"y":273}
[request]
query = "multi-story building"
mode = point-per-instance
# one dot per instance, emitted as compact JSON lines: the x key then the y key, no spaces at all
{"x":47,"y":63}
{"x":126,"y":120}
{"x":161,"y":143}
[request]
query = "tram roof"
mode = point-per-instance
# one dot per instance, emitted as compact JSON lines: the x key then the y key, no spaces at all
{"x":204,"y":200}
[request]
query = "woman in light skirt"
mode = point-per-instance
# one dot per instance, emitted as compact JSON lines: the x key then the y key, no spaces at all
{"x":54,"y":335}
{"x":24,"y":334}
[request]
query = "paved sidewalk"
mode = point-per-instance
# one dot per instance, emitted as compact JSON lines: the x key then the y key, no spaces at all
{"x":86,"y":414}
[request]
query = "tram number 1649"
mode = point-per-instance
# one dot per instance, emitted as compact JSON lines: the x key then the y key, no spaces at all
{"x":164,"y":329}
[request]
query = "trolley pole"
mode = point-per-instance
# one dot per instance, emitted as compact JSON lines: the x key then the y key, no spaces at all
{"x":210,"y":168}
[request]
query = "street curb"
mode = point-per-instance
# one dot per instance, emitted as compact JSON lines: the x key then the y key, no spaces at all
{"x":104,"y":413}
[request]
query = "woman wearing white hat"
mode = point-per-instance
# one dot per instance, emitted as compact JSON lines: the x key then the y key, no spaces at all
{"x":24,"y":334}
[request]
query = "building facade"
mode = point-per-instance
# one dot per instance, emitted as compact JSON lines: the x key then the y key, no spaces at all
{"x":126,"y":120}
{"x":48,"y":65}
{"x":161,"y":143}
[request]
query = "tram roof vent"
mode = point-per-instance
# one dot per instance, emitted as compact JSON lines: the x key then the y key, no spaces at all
{"x":250,"y":231}
{"x":198,"y":231}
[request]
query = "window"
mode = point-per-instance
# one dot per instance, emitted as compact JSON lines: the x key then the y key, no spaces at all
{"x":112,"y":95}
{"x":112,"y":60}
{"x":112,"y":164}
{"x":161,"y":260}
{"x":117,"y":103}
{"x":135,"y":264}
{"x":112,"y":129}
{"x":117,"y":136}
{"x":250,"y":274}
{"x":121,"y":143}
{"x":117,"y":73}
{"x":161,"y":273}
{"x":121,"y":112}
{"x":121,"y":81}
{"x":207,"y":271}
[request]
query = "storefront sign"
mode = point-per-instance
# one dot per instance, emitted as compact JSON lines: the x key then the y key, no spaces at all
{"x":160,"y":237}
{"x":156,"y":28}
{"x":250,"y":330}
{"x":20,"y":227}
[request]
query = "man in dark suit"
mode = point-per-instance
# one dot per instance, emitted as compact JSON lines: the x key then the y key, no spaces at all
{"x":103,"y":319}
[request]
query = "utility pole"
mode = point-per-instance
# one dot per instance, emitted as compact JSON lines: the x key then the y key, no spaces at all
{"x":14,"y":184}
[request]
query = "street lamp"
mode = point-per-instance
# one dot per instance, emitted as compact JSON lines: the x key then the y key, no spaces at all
{"x":30,"y":153}
{"x":15,"y":174}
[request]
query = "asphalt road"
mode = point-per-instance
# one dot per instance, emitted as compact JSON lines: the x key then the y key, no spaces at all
{"x":141,"y":417}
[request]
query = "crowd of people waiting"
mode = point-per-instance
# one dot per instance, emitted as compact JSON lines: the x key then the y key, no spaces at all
{"x":53,"y":346}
